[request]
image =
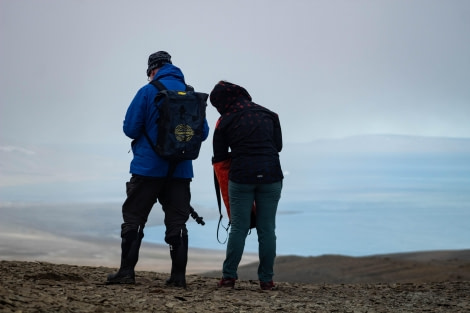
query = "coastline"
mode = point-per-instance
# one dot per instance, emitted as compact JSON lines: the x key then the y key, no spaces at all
{"x":40,"y":246}
{"x":87,"y":235}
{"x":32,"y":245}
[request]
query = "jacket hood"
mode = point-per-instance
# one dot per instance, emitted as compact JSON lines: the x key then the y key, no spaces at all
{"x":169,"y":70}
{"x":226,"y":95}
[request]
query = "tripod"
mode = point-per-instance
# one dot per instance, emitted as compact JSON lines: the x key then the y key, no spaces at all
{"x":196,"y":217}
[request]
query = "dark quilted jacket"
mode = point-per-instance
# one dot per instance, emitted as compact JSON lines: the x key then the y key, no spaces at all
{"x":248,"y":133}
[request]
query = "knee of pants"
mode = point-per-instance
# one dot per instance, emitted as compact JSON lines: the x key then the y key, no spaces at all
{"x":178,"y":239}
{"x":132,"y":231}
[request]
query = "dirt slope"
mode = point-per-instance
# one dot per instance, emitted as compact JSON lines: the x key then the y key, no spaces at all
{"x":46,"y":287}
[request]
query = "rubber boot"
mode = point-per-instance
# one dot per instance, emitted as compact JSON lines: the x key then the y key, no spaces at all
{"x":130,"y":245}
{"x":179,"y":259}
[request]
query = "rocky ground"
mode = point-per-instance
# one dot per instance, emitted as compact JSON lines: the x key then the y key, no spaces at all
{"x":46,"y":287}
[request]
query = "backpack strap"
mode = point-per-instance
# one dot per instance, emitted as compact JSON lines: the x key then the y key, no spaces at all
{"x":158,"y":85}
{"x":221,"y":172}
{"x":219,"y":203}
{"x":172,"y":164}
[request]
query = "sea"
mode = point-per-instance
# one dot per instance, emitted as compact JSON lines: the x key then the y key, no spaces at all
{"x":363,"y":206}
{"x":356,"y":196}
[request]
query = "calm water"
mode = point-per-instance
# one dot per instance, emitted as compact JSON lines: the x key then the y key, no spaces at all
{"x":333,"y":201}
{"x":354,"y":229}
{"x":368,"y":209}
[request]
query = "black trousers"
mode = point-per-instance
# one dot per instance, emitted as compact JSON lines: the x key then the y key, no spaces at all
{"x":173,"y":194}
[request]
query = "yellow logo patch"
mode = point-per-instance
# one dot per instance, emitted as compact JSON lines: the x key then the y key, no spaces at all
{"x":184,"y":132}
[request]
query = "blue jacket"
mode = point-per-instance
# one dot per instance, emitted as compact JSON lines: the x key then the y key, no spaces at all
{"x":141,"y":116}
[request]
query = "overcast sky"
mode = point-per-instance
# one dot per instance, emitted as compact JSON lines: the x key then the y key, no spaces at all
{"x":330,"y":68}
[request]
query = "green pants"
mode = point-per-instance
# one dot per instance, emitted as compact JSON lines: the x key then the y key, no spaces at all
{"x":241,"y":198}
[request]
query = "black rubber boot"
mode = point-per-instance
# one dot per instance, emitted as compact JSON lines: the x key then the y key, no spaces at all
{"x":130,"y":245}
{"x":179,"y":259}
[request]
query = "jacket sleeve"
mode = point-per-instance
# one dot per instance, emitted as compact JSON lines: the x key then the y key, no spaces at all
{"x":205,"y":131}
{"x":135,"y":116}
{"x":220,"y":145}
{"x":277,"y":133}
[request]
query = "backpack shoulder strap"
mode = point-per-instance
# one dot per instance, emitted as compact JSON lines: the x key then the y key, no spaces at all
{"x":219,"y":203}
{"x":158,"y":85}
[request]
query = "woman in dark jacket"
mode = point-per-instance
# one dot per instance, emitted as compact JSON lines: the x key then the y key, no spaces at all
{"x":250,"y":135}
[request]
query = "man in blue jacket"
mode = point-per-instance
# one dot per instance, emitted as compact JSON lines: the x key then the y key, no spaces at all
{"x":149,"y":181}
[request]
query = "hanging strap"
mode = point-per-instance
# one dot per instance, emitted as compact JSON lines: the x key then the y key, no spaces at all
{"x":219,"y":203}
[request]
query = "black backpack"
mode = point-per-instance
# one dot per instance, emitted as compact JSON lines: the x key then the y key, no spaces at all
{"x":180,"y":124}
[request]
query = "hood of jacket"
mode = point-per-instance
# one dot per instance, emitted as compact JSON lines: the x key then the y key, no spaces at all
{"x":169,"y":72}
{"x":227,"y":96}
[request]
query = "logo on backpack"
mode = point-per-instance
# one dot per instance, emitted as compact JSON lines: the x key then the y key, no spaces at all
{"x":183,"y":132}
{"x":180,"y":124}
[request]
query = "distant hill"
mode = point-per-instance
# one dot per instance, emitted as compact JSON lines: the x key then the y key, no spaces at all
{"x":431,"y":266}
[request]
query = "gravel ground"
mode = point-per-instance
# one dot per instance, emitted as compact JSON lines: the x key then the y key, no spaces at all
{"x":46,"y":287}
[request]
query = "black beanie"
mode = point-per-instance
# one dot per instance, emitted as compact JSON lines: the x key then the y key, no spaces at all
{"x":157,"y":59}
